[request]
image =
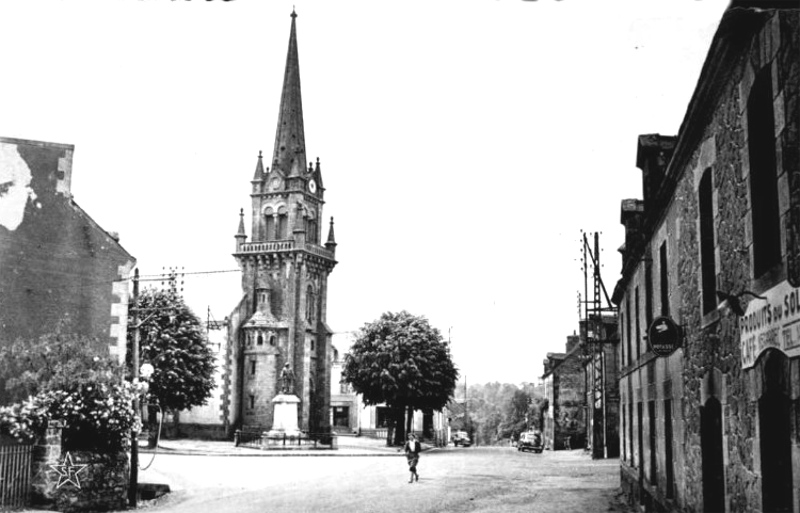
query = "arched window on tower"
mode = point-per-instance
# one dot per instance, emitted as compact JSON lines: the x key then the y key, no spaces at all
{"x":269,"y":224}
{"x":283,"y":224}
{"x":311,"y":230}
{"x":763,"y":175}
{"x":310,"y":304}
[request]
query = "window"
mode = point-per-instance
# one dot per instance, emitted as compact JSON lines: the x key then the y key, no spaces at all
{"x":311,"y":304}
{"x":707,"y":262}
{"x":311,"y":230}
{"x":668,"y":446}
{"x":648,"y":292}
{"x":624,"y":435}
{"x":313,"y":344}
{"x":628,"y":329}
{"x":763,"y":175}
{"x":638,"y":328}
{"x":252,"y":367}
{"x":269,"y":224}
{"x":272,"y":340}
{"x":252,"y":401}
{"x":622,"y":344}
{"x":663,"y":271}
{"x":630,"y":433}
{"x":651,"y":413}
{"x":260,"y":340}
{"x":283,"y":224}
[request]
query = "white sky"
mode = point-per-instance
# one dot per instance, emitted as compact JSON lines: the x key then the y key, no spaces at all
{"x":464,"y":144}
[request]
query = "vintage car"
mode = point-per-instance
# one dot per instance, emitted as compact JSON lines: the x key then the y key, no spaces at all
{"x":530,"y":441}
{"x":461,"y":438}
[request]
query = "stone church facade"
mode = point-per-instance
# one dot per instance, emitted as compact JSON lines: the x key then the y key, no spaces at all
{"x":709,"y":309}
{"x":281,"y":318}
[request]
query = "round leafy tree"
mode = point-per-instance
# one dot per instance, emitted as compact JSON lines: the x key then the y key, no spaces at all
{"x":402,"y":361}
{"x":172,"y":340}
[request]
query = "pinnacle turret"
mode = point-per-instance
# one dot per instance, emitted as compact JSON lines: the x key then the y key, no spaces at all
{"x":331,"y":243}
{"x":259,"y":174}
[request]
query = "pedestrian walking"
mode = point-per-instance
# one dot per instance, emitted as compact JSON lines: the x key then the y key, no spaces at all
{"x":412,"y":449}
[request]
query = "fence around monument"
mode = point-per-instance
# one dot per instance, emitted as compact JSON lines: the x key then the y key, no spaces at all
{"x":263,"y":440}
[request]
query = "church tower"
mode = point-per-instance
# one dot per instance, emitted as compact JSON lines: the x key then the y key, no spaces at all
{"x":285,"y":266}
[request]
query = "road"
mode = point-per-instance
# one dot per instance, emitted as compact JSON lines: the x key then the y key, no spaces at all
{"x":475,"y":480}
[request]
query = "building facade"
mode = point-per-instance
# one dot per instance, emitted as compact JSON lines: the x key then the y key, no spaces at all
{"x":59,"y":270}
{"x":565,"y":394}
{"x":281,"y":317}
{"x":349,"y":414}
{"x":708,"y":298}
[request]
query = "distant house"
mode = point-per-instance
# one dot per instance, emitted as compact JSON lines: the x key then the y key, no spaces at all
{"x":349,"y":414}
{"x":580,"y":388}
{"x":209,"y":420}
{"x":58,"y":268}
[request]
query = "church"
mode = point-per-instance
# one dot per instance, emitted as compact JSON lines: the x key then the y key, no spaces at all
{"x":279,"y":324}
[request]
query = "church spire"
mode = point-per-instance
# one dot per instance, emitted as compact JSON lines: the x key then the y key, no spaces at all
{"x":290,"y":142}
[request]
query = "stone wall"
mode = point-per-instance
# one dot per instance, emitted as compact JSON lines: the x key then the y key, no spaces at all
{"x":72,"y":481}
{"x":709,"y":365}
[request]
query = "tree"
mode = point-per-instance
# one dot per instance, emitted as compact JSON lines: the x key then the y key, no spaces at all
{"x":173,"y":342}
{"x":402,"y":361}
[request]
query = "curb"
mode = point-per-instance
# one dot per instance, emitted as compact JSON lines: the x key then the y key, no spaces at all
{"x":307,"y":453}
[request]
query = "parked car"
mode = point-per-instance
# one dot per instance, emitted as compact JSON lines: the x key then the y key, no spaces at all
{"x":530,"y":441}
{"x":461,"y":438}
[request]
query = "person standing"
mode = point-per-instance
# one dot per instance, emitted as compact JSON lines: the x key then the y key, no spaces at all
{"x":412,"y":449}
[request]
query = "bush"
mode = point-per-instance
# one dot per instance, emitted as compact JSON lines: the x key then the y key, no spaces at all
{"x":68,"y":380}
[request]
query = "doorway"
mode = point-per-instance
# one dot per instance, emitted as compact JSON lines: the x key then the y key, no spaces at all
{"x":774,"y":420}
{"x":341,"y":416}
{"x":713,"y":463}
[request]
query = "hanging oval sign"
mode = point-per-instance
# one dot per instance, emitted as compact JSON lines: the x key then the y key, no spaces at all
{"x":664,"y":336}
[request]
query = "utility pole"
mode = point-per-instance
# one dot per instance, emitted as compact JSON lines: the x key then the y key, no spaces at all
{"x":133,"y":486}
{"x":466,"y":408}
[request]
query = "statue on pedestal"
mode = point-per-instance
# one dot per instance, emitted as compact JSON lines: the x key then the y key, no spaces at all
{"x":287,"y":380}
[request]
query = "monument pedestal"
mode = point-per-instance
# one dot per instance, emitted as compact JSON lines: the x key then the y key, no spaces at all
{"x":284,"y":417}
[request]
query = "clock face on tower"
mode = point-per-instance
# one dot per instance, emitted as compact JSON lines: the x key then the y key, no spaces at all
{"x":275,"y":183}
{"x":312,"y":186}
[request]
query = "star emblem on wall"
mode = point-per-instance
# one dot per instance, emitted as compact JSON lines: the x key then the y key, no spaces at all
{"x":68,"y":472}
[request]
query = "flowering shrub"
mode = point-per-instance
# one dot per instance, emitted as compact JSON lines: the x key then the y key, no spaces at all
{"x":26,"y":420}
{"x":66,"y":378}
{"x":97,"y":416}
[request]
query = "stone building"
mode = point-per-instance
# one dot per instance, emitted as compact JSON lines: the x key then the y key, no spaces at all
{"x":580,"y":386}
{"x":58,"y":268}
{"x":281,"y":316}
{"x":710,"y":377}
{"x":564,"y":390}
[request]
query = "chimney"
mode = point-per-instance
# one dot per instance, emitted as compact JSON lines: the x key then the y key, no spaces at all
{"x":653,"y":154}
{"x":632,"y":217}
{"x":572,"y":342}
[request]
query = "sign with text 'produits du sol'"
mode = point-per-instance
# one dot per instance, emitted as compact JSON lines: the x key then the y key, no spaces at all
{"x":664,"y":336}
{"x":771,"y":321}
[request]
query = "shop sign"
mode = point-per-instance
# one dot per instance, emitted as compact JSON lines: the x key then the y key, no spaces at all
{"x":664,"y":336}
{"x":771,"y":322}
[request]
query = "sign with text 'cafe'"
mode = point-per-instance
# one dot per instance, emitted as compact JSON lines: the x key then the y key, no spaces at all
{"x":774,"y":322}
